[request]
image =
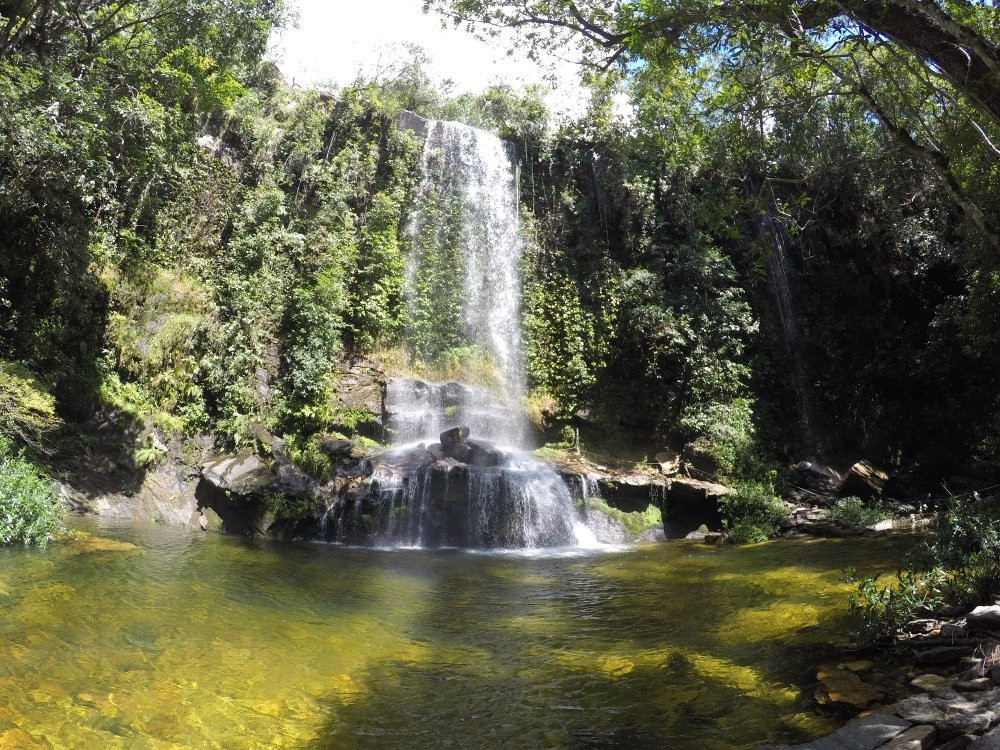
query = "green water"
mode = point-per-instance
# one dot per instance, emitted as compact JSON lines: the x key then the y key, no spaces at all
{"x":201,"y":641}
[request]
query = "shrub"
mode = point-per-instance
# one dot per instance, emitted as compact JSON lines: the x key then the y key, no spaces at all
{"x":29,"y":513}
{"x":853,"y":511}
{"x":958,"y":566}
{"x":753,"y":514}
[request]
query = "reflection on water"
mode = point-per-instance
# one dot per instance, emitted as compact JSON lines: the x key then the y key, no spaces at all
{"x":200,"y":641}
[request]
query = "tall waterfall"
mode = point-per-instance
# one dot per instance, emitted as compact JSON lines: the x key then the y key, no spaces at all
{"x":471,"y":486}
{"x":781,"y":272}
{"x":463,"y":281}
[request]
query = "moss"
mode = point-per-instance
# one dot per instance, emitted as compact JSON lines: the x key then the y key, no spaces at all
{"x":635,"y":523}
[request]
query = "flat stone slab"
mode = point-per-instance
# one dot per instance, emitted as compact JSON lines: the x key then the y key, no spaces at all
{"x":932,"y":683}
{"x":863,"y":733}
{"x":915,"y":738}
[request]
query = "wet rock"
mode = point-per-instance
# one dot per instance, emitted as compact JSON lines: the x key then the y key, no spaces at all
{"x":859,"y":665}
{"x":951,"y":712}
{"x":915,"y":738}
{"x":696,"y":535}
{"x":843,"y":686}
{"x":984,"y":618}
{"x":932,"y":683}
{"x":958,"y":743}
{"x":209,"y":520}
{"x":953,"y":630}
{"x":453,"y":436}
{"x":924,"y":625}
{"x":483,"y":454}
{"x":863,"y":733}
{"x":864,"y":480}
{"x":690,"y":503}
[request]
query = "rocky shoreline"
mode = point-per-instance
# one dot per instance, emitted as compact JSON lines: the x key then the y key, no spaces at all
{"x":952,"y":668}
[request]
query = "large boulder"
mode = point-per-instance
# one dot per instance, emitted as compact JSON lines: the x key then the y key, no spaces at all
{"x":407,"y":120}
{"x":699,"y":461}
{"x":690,"y":503}
{"x":864,"y":480}
{"x":239,"y":475}
{"x":817,"y":477}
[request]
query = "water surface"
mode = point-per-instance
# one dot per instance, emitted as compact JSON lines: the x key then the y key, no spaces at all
{"x":203,"y":641}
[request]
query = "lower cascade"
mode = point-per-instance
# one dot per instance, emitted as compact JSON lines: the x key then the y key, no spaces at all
{"x":460,"y":492}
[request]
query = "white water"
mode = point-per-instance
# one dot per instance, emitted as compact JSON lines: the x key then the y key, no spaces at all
{"x":470,"y":171}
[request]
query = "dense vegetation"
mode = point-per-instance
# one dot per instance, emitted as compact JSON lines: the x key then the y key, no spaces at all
{"x":191,"y":246}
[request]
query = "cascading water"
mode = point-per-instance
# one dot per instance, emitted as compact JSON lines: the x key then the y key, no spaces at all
{"x":463,"y":283}
{"x":437,"y":486}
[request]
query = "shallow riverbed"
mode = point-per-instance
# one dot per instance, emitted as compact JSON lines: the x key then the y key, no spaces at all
{"x":201,"y":641}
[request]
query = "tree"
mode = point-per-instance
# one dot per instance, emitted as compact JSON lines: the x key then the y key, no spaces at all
{"x":921,"y":67}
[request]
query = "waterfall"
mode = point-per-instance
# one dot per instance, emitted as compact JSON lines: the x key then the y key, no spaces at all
{"x":463,"y":282}
{"x":781,"y":272}
{"x":474,"y":488}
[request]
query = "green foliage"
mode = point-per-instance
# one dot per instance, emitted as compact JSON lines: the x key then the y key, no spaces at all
{"x":958,"y":566}
{"x":29,"y":511}
{"x":880,"y":612}
{"x":855,"y":512}
{"x":727,"y":431}
{"x":563,"y":346}
{"x":285,"y":507}
{"x":754,"y":514}
{"x":27,"y":410}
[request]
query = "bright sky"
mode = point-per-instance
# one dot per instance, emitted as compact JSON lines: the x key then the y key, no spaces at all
{"x":335,"y":40}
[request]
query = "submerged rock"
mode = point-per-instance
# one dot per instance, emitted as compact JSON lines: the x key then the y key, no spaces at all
{"x":863,"y":733}
{"x":843,"y":686}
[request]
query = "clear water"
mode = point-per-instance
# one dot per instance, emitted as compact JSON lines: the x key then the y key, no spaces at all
{"x":202,"y":641}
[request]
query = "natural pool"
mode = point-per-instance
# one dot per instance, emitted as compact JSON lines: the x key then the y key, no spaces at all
{"x":203,"y":641}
